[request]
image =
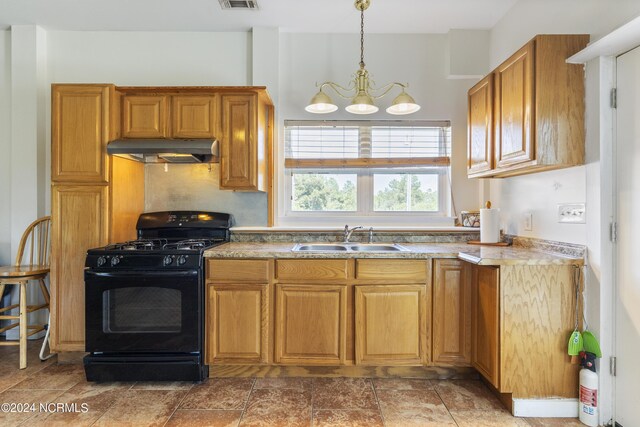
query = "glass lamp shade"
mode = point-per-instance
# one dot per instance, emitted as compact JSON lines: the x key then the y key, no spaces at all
{"x":403,"y":104}
{"x":321,"y":104}
{"x":362,"y":103}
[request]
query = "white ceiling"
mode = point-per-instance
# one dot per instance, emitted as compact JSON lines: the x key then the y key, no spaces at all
{"x":313,"y":16}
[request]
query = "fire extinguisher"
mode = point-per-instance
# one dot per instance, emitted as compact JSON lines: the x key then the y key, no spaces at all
{"x":588,"y":405}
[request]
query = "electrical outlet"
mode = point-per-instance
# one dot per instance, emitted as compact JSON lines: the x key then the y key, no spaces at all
{"x":528,"y":221}
{"x":572,"y":213}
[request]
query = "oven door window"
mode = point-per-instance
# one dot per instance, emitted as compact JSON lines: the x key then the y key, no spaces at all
{"x":141,"y":310}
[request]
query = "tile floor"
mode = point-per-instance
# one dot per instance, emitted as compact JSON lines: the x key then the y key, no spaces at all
{"x":244,"y":401}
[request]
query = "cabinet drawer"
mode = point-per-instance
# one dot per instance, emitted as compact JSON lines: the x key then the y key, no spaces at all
{"x":311,"y":269}
{"x":238,"y":270}
{"x":391,"y":270}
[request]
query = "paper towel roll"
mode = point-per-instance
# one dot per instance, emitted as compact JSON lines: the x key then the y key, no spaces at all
{"x":489,"y":225}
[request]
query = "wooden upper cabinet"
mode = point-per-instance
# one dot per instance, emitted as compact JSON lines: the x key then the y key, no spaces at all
{"x":80,"y":130}
{"x":514,"y":108}
{"x":480,"y":117}
{"x":145,"y":116}
{"x":240,"y":118}
{"x":536,"y":106}
{"x":244,"y":141}
{"x":194,"y":116}
{"x":486,"y":323}
{"x":391,"y":324}
{"x":81,"y":222}
{"x":451,"y":312}
{"x":239,"y":159}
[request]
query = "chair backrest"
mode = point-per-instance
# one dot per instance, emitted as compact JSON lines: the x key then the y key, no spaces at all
{"x":34,"y":246}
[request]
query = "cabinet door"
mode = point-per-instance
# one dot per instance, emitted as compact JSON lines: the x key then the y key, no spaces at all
{"x":79,"y":133}
{"x":79,"y":218}
{"x":391,"y":324}
{"x":311,"y":324}
{"x":480,"y":123}
{"x":486,"y":322}
{"x":144,"y":116}
{"x":237,"y":323}
{"x":239,"y":146}
{"x":451,"y":313}
{"x":514,"y":109}
{"x":194,"y":116}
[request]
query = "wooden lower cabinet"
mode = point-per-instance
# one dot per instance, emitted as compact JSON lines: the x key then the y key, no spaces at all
{"x":486,"y":323}
{"x":311,"y":324}
{"x":237,"y":323}
{"x":391,"y":324}
{"x":451,"y":312}
{"x":81,"y":222}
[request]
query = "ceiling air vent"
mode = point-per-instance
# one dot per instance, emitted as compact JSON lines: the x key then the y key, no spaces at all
{"x":238,"y":4}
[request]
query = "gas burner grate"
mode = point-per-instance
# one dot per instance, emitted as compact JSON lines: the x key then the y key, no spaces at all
{"x":191,"y":244}
{"x":138,"y":245}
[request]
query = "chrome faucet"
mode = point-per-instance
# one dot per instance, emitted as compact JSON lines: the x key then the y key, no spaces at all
{"x":370,"y":234}
{"x":348,"y":232}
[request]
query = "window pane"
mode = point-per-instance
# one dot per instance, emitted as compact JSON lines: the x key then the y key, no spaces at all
{"x":405,"y":192}
{"x":323,"y":192}
{"x":321,"y":142}
{"x":407,"y":142}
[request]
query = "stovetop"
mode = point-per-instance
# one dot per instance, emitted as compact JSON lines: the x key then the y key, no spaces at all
{"x":146,"y":254}
{"x":162,"y":244}
{"x":166,"y":240}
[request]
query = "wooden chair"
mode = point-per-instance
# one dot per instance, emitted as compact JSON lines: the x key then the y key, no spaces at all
{"x":32,"y":264}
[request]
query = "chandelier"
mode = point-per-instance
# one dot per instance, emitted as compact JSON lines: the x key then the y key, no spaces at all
{"x":360,"y":90}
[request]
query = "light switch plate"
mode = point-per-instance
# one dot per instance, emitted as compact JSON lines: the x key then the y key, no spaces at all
{"x":572,"y":213}
{"x":528,"y":221}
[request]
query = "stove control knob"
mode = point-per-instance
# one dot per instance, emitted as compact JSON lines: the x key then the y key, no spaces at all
{"x":182,"y":259}
{"x":115,"y":261}
{"x":167,"y":260}
{"x":101,"y":261}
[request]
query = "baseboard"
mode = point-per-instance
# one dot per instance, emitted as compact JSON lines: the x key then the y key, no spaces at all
{"x":546,"y":408}
{"x":359,"y":371}
{"x":71,"y":357}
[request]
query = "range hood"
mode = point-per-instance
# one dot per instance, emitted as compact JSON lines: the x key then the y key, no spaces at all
{"x":166,"y":150}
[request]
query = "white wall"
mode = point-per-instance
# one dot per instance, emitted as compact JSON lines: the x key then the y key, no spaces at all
{"x":5,"y":147}
{"x":149,"y":58}
{"x":417,"y":59}
{"x":530,"y":17}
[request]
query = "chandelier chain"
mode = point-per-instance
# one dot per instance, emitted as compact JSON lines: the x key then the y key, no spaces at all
{"x":362,"y":38}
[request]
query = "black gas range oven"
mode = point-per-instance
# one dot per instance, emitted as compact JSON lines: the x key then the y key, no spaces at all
{"x":144,"y":312}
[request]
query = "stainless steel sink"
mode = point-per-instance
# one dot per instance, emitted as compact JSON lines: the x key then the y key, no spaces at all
{"x":379,"y":248}
{"x":349,"y":247}
{"x":318,"y":248}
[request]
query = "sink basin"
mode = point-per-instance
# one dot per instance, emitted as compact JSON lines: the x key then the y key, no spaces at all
{"x":378,"y":248}
{"x":349,"y":247}
{"x":319,"y":248}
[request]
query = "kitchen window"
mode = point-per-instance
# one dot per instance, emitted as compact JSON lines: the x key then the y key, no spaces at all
{"x":383,"y":172}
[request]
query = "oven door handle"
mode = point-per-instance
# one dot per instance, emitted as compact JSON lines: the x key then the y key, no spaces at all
{"x":146,"y":273}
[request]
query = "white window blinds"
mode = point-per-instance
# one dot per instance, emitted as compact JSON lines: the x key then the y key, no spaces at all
{"x":317,"y":144}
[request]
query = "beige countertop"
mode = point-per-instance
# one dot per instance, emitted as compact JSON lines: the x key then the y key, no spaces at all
{"x":482,"y":255}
